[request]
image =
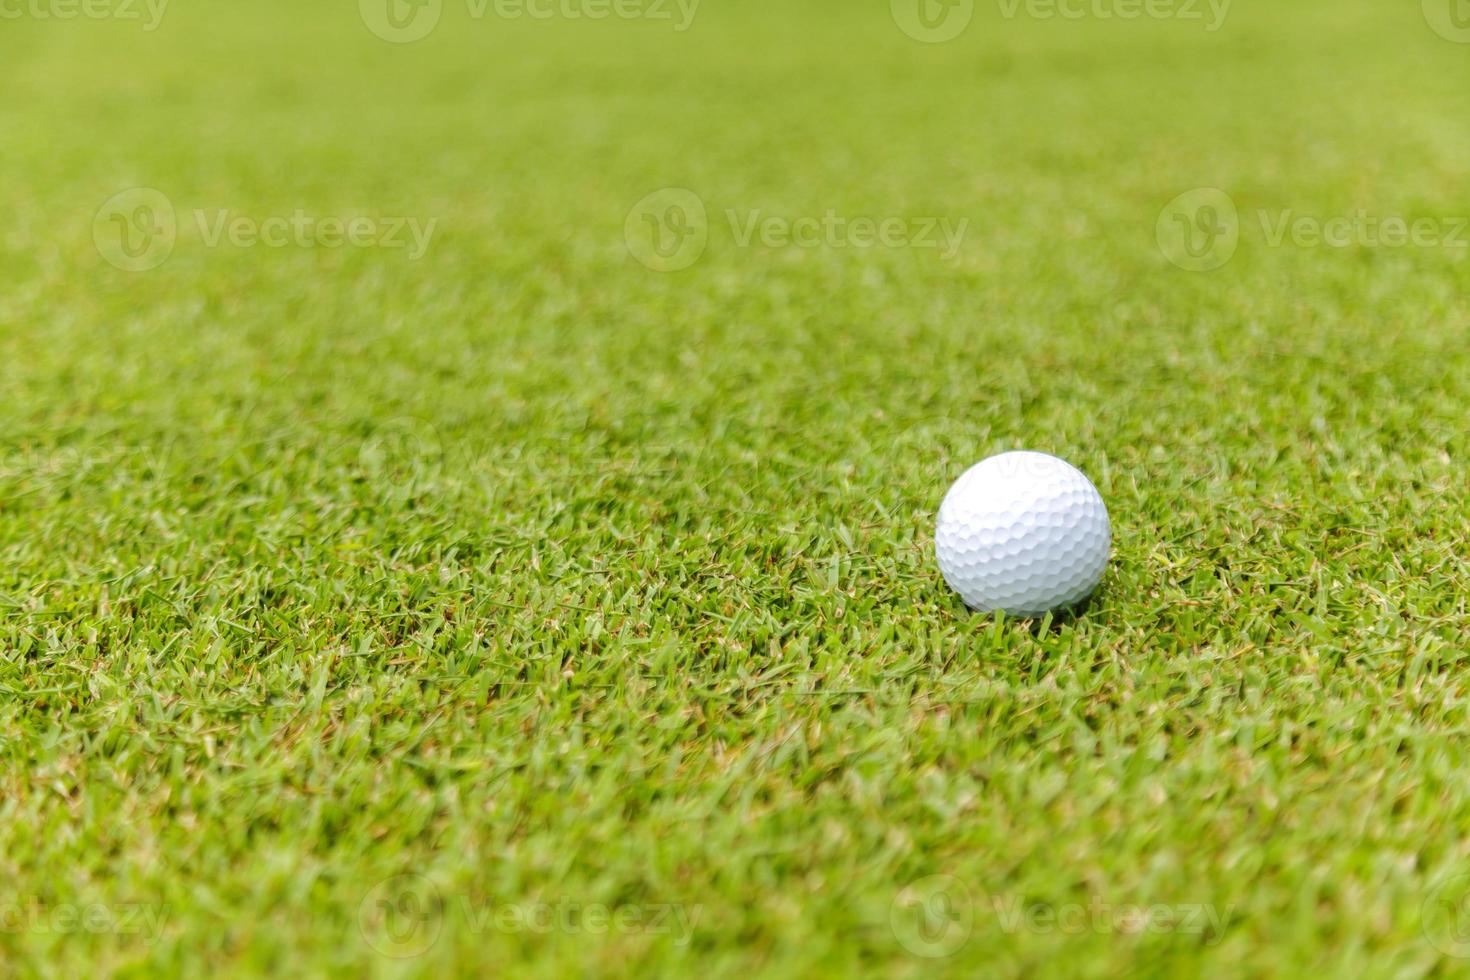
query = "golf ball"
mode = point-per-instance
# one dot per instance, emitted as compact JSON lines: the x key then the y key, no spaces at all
{"x":1024,"y":533}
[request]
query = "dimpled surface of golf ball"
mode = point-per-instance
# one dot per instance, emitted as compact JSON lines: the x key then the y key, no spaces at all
{"x":1024,"y":533}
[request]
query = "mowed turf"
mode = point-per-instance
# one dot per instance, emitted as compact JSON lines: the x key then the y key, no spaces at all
{"x":365,"y":613}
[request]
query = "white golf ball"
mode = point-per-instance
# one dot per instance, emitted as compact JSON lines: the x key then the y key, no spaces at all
{"x":1024,"y":533}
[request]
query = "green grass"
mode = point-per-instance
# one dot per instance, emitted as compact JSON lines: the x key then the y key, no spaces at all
{"x":550,"y":579}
